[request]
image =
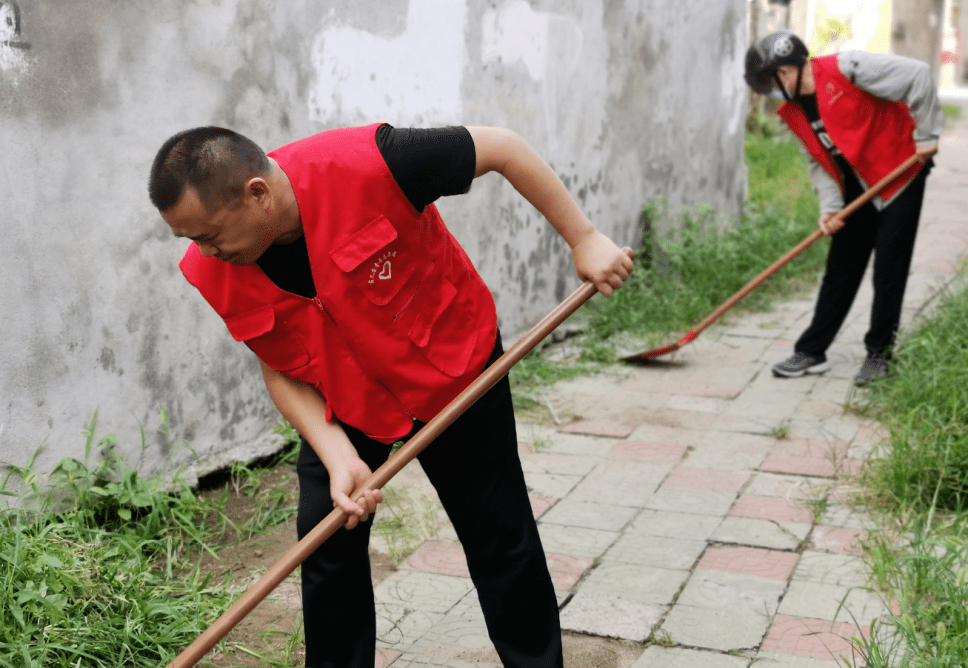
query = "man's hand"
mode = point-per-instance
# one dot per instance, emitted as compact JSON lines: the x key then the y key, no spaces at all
{"x":599,"y":260}
{"x":346,"y":476}
{"x":926,"y":151}
{"x":830,"y":223}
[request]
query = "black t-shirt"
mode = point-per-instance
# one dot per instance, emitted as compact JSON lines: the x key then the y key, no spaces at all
{"x":426,"y":163}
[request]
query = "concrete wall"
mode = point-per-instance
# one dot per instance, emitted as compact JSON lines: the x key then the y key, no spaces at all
{"x":626,"y":100}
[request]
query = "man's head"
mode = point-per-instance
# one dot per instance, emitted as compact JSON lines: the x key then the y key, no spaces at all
{"x":777,"y":59}
{"x":212,"y":186}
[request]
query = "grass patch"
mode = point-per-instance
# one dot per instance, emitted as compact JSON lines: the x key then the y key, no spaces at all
{"x":102,"y":568}
{"x":919,"y":487}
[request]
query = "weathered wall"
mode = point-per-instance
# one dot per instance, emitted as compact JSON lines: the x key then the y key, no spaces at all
{"x":626,"y":100}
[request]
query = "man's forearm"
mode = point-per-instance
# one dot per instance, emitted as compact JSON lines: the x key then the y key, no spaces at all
{"x":305,"y":410}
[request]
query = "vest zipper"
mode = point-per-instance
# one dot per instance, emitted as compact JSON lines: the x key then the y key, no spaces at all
{"x":319,"y":304}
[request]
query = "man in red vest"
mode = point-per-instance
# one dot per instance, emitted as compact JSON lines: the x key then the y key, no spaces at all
{"x":328,"y":258}
{"x":858,"y":115}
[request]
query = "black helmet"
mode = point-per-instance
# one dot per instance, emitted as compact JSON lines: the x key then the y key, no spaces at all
{"x":764,"y":59}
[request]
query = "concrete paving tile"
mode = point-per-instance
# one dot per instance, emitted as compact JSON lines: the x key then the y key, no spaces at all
{"x":636,"y":548}
{"x":635,"y":582}
{"x":610,"y":616}
{"x":556,"y":463}
{"x":384,"y":657}
{"x":715,"y":628}
{"x":698,"y":478}
{"x":729,"y":451}
{"x":831,"y":389}
{"x":466,"y":632}
{"x":774,"y":660}
{"x":810,"y":638}
{"x":771,"y":508}
{"x":837,"y":540}
{"x":761,"y":533}
{"x":832,"y":602}
{"x":588,"y":514}
{"x":836,"y":569}
{"x":689,"y":500}
{"x":399,"y":627}
{"x":550,"y":484}
{"x":810,"y":466}
{"x":578,"y":444}
{"x":621,"y":483}
{"x":438,"y":556}
{"x":659,"y":433}
{"x":413,"y":660}
{"x":541,"y":504}
{"x":732,"y":593}
{"x":699,"y":404}
{"x":597,"y":427}
{"x":771,"y":564}
{"x":822,"y":408}
{"x":843,"y":515}
{"x":843,"y":428}
{"x":790,"y":487}
{"x":674,"y":524}
{"x":575,"y":541}
{"x":678,"y":657}
{"x":422,"y":591}
{"x":764,"y":411}
{"x":566,"y":571}
{"x":648,"y":452}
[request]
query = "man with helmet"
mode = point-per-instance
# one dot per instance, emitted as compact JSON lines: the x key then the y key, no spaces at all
{"x":858,"y":115}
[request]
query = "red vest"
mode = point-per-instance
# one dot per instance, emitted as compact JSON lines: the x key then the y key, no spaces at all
{"x":874,"y":135}
{"x":402,"y":321}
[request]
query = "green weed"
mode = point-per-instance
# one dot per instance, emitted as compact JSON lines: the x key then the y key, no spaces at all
{"x":102,"y":569}
{"x":920,"y":488}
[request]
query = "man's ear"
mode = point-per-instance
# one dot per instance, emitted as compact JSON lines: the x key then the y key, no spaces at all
{"x":258,"y":188}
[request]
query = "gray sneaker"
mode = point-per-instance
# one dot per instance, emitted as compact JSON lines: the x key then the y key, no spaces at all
{"x":873,"y":368}
{"x":799,"y":364}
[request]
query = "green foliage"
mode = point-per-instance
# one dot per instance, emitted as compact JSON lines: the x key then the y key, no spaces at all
{"x":921,"y":484}
{"x":925,"y":407}
{"x":102,"y":571}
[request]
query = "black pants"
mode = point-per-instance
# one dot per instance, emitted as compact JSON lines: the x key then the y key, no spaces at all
{"x":889,"y":234}
{"x":474,"y":467}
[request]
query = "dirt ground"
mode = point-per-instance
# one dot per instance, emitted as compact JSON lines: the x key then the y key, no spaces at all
{"x":271,"y":635}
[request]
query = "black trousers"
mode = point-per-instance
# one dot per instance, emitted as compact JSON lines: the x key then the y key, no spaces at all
{"x":474,"y":467}
{"x":890,"y":235}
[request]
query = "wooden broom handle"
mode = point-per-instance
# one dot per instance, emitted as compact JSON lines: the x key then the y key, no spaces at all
{"x":301,"y":550}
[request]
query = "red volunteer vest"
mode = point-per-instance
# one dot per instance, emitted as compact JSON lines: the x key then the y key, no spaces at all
{"x":402,"y":321}
{"x":874,"y":135}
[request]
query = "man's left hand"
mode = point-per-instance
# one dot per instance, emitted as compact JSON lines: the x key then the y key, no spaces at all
{"x":926,"y":151}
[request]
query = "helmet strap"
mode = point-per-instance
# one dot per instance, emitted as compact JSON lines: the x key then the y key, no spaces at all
{"x":786,"y":95}
{"x":796,"y":90}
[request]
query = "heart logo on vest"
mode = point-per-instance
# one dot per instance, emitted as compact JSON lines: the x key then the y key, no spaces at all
{"x":385,"y":271}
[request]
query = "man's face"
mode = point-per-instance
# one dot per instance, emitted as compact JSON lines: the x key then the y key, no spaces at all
{"x":237,"y":234}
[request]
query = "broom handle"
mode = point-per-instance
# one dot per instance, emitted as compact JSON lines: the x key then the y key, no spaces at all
{"x":301,"y":550}
{"x":796,"y":250}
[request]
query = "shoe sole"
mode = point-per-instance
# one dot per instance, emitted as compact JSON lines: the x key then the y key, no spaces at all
{"x":817,"y":369}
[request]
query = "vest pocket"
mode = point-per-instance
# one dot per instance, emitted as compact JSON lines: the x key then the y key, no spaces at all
{"x":373,"y":262}
{"x":276,"y":346}
{"x":444,"y":331}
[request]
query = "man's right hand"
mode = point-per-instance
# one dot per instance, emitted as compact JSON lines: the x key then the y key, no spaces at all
{"x":830,"y":224}
{"x":344,"y":478}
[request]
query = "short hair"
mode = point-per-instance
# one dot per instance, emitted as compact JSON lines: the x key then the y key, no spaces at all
{"x":216,"y":162}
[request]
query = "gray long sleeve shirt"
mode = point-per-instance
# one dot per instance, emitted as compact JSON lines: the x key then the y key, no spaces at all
{"x":893,"y":78}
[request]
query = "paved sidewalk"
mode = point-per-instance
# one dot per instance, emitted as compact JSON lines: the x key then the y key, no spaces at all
{"x":698,"y":501}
